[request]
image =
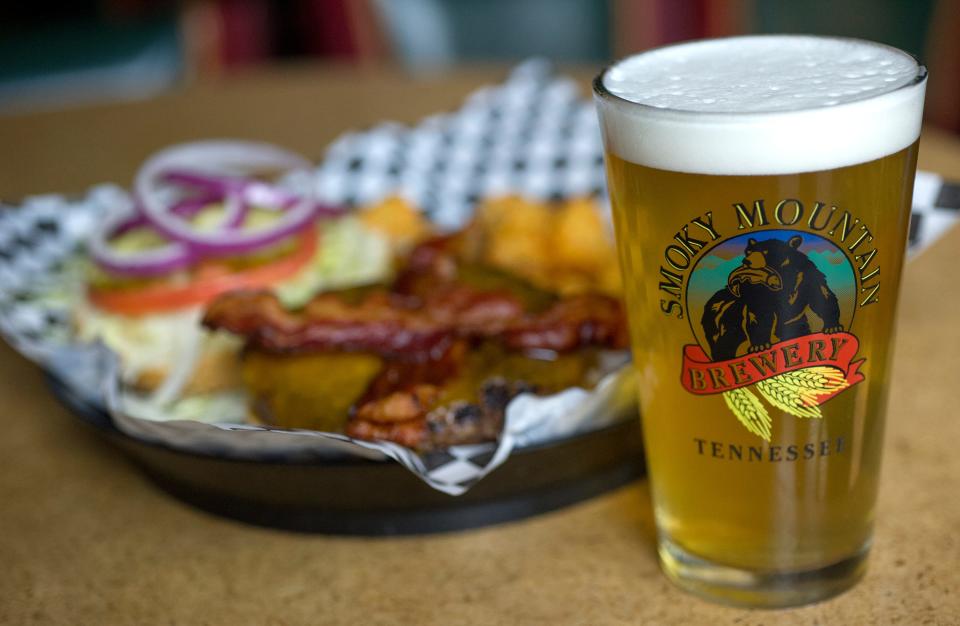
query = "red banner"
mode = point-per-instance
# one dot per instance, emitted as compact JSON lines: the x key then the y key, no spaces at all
{"x":702,"y":376}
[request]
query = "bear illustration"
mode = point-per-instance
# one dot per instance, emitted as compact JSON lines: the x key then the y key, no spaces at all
{"x":769,"y":298}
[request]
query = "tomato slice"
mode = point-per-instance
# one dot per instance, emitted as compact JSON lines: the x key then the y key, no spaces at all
{"x":207,"y":283}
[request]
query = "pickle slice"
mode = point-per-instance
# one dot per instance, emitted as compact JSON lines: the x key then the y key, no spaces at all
{"x":313,"y":391}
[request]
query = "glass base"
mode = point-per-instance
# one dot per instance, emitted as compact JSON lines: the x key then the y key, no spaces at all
{"x":747,"y":588}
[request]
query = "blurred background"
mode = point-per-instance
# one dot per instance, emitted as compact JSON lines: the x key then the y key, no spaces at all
{"x":57,"y":55}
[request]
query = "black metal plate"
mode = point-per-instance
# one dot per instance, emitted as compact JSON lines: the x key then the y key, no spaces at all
{"x":360,"y":497}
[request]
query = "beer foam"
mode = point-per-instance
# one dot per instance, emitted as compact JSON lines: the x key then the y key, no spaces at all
{"x":769,"y":104}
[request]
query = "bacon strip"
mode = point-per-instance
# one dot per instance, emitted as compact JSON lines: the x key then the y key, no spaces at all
{"x":434,"y":427}
{"x":378,"y":324}
{"x":389,"y":325}
{"x":586,"y":320}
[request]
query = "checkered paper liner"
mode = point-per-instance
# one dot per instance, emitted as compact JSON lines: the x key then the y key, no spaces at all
{"x":533,"y":135}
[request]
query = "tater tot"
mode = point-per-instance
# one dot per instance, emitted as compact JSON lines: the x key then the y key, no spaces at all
{"x":566,"y":248}
{"x":398,"y":220}
{"x":580,"y":238}
{"x":517,"y":235}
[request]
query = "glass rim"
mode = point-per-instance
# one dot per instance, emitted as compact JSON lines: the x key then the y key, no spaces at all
{"x":600,"y":89}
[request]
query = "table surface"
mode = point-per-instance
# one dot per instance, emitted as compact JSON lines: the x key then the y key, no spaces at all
{"x":85,"y":539}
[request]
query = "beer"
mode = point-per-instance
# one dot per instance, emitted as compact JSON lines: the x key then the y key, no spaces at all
{"x":761,"y":190}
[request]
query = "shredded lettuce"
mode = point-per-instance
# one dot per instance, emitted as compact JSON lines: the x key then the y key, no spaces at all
{"x":349,"y":254}
{"x":225,"y":407}
{"x":210,"y":218}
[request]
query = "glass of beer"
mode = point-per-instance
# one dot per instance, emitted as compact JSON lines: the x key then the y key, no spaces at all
{"x":761,"y":192}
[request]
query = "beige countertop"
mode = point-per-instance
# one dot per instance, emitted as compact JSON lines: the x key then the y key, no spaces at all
{"x":85,"y":539}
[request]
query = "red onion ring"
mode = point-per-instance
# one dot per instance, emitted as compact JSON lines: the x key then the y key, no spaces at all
{"x":156,"y":262}
{"x":203,"y":164}
{"x":210,"y":169}
{"x":188,"y":207}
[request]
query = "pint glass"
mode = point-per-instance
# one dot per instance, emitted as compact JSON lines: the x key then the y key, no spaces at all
{"x":761,"y":192}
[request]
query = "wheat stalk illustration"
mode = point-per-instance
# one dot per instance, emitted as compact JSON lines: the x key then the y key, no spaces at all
{"x":796,"y":393}
{"x":787,"y":398}
{"x":750,"y":411}
{"x":819,"y":379}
